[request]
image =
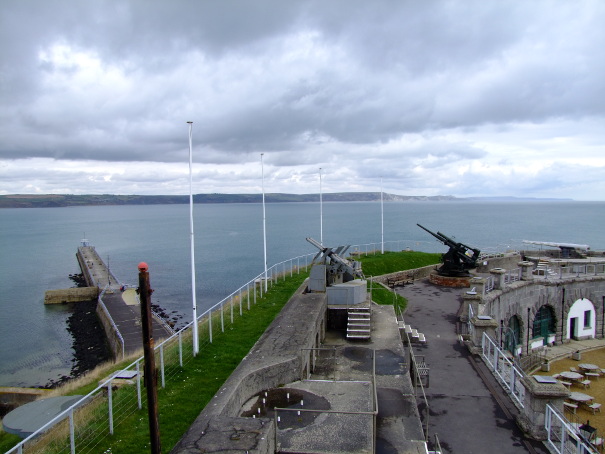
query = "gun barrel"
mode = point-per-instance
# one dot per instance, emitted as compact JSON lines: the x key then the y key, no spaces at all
{"x":317,"y":244}
{"x":437,"y":235}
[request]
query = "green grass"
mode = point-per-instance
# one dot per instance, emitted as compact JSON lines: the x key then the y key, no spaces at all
{"x":383,"y":295}
{"x":390,"y":262}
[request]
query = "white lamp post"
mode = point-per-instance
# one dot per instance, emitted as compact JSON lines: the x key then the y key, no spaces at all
{"x":381,"y":219}
{"x":264,"y":217}
{"x":195,"y":333}
{"x":321,"y":213}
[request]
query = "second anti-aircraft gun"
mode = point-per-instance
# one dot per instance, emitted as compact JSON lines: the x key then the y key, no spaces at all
{"x":458,"y":260}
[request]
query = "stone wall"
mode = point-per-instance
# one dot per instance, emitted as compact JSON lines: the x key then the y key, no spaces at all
{"x":525,"y":298}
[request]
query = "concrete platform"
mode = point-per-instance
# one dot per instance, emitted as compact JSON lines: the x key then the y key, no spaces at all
{"x":28,"y":418}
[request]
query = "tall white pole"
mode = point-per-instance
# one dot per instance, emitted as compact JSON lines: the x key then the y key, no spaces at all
{"x":381,"y":219}
{"x":262,"y":167}
{"x":196,"y":344}
{"x":321,"y":213}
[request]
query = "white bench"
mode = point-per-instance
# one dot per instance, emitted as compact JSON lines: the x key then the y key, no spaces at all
{"x":572,"y":407}
{"x":595,"y":407}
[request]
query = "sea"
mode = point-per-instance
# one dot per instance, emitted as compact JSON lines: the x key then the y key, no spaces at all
{"x":38,"y":247}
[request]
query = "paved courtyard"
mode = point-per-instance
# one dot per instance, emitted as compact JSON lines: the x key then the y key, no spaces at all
{"x":468,"y":410}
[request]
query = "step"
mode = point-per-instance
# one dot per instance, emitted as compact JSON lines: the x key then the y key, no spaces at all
{"x":353,"y":336}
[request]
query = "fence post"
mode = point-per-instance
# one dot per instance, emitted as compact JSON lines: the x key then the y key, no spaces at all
{"x":231,"y":305}
{"x":223,"y":316}
{"x":72,"y":436}
{"x":248,"y":294}
{"x":110,"y":405}
{"x":210,"y":325}
{"x":162,"y":365}
{"x":241,"y":312}
{"x":139,"y":385}
{"x":181,"y":348}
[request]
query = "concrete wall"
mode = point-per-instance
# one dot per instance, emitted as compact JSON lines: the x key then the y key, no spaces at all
{"x":71,"y":295}
{"x":115,"y":344}
{"x":507,"y":261}
{"x":276,"y":359}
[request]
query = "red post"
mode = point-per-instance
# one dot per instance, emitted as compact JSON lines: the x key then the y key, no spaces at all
{"x":151,"y":379}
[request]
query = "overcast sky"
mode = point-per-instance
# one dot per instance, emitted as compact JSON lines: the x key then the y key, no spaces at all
{"x":463,"y":98}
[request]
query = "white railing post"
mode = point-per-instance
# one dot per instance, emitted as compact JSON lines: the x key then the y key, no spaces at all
{"x":231,"y":305}
{"x":210,"y":325}
{"x":181,"y":348}
{"x":162,"y":364}
{"x":241,"y":312}
{"x":72,"y":434}
{"x":248,"y":294}
{"x":110,"y":405}
{"x":140,"y":404}
{"x":223,"y":317}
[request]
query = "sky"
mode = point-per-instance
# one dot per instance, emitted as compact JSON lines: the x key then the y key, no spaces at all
{"x":463,"y":98}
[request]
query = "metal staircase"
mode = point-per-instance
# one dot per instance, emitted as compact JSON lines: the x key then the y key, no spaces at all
{"x":359,"y":323}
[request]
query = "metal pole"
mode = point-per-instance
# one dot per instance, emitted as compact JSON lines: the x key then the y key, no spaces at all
{"x":262,"y":167}
{"x":381,"y":219}
{"x":150,"y":370}
{"x":196,"y":344}
{"x":321,"y":212}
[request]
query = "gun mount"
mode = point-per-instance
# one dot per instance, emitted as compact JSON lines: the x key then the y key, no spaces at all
{"x":458,"y":260}
{"x":337,"y":268}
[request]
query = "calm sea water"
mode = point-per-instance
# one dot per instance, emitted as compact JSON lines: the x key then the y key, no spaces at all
{"x":38,"y":246}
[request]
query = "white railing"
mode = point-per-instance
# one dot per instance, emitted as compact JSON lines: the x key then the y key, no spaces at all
{"x":113,"y":324}
{"x":512,"y":275}
{"x":562,"y":436}
{"x":469,"y":323}
{"x":507,"y":373}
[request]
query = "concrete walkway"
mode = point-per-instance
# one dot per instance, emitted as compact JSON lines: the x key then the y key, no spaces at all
{"x":468,"y":410}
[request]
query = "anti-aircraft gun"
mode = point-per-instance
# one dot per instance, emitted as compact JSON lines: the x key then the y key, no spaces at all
{"x":337,"y":269}
{"x":458,"y":260}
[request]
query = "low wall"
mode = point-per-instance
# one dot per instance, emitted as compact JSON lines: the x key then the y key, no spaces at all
{"x":114,"y":341}
{"x":84,"y":267}
{"x":418,"y":273}
{"x":273,"y":361}
{"x":71,"y":295}
{"x":12,"y":397}
{"x":507,"y":261}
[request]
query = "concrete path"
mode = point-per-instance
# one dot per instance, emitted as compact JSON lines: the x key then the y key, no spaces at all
{"x":468,"y":410}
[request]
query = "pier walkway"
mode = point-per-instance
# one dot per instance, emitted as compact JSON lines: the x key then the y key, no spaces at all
{"x":122,"y":317}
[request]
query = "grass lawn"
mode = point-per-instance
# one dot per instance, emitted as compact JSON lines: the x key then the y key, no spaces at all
{"x":390,"y":262}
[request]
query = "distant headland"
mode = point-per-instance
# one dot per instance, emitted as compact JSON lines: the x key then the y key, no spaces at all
{"x":68,"y":200}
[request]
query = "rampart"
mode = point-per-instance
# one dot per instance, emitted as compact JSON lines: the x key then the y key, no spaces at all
{"x":276,"y":359}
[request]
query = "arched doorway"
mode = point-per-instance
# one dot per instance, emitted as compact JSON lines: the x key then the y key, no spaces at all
{"x":581,"y":320}
{"x":544,"y":324}
{"x":512,"y":338}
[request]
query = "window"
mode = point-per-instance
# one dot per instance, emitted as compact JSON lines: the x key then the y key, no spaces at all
{"x":587,"y":319}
